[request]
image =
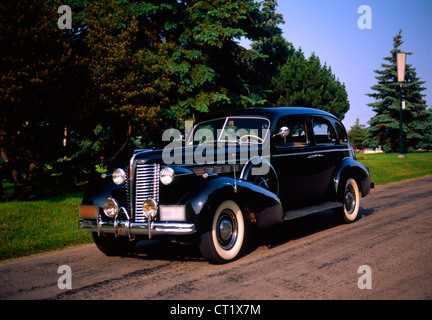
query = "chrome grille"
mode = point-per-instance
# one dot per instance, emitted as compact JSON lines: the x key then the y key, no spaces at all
{"x":146,"y":187}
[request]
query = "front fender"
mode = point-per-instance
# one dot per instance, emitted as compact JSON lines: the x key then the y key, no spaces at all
{"x":259,"y":204}
{"x":102,"y":189}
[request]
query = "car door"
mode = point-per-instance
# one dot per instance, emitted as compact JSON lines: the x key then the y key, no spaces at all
{"x":325,"y":156}
{"x":291,"y":150}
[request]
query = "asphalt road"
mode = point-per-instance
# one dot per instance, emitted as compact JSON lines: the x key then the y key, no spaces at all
{"x":309,"y":258}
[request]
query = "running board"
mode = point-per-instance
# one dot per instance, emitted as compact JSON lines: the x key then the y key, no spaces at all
{"x":294,"y":214}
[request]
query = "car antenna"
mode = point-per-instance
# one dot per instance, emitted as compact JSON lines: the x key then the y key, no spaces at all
{"x":234,"y":169}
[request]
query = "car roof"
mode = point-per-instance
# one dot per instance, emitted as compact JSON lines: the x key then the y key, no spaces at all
{"x":270,"y":112}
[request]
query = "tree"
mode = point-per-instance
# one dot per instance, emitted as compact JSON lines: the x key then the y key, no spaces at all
{"x":357,"y":134}
{"x":156,"y":63}
{"x":384,"y":126}
{"x":305,"y":82}
{"x":286,"y":77}
{"x":274,"y":50}
{"x":38,"y":98}
{"x":127,"y":69}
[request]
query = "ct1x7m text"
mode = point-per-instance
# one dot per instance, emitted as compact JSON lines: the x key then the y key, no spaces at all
{"x":219,"y":309}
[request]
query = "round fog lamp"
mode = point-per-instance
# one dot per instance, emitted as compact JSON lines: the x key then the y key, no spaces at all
{"x":149,"y":208}
{"x":167,"y":175}
{"x":110,"y":207}
{"x":119,"y":176}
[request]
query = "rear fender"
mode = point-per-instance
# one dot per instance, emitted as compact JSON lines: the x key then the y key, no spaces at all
{"x":350,"y":168}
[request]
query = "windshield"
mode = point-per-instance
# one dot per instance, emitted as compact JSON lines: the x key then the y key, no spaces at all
{"x":232,"y":129}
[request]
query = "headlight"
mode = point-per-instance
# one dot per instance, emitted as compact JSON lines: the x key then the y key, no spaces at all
{"x":110,"y":207}
{"x":119,"y":176}
{"x":149,"y":208}
{"x":167,"y":175}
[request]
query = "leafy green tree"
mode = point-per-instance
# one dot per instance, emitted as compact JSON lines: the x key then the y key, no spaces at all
{"x":305,"y":82}
{"x":274,"y":50}
{"x":384,"y":126}
{"x":37,"y":95}
{"x":129,"y":69}
{"x":157,"y":62}
{"x":357,"y":134}
{"x":126,"y":69}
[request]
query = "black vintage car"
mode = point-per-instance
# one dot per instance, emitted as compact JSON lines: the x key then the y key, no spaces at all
{"x":232,"y":175}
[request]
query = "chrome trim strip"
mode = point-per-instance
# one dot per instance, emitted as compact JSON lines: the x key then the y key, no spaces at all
{"x":308,"y":153}
{"x":131,"y":184}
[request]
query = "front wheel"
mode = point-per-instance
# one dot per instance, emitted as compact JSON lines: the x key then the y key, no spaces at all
{"x":350,"y":197}
{"x":112,"y":246}
{"x":224,"y":239}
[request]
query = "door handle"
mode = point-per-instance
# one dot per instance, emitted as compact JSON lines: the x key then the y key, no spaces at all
{"x":315,"y":155}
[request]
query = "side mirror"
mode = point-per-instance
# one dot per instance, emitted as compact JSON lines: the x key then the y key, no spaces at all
{"x":283,"y":132}
{"x":180,"y":137}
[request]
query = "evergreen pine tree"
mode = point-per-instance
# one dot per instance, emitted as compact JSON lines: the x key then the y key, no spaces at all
{"x":306,"y":83}
{"x":274,"y":50}
{"x":384,"y":126}
{"x":357,"y":134}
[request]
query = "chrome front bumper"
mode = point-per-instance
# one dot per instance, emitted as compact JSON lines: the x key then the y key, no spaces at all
{"x":132,"y":229}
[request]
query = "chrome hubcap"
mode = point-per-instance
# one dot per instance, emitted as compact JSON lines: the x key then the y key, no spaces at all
{"x":227,"y":229}
{"x":350,"y":200}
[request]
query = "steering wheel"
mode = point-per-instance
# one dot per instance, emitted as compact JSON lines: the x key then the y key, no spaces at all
{"x":251,"y":136}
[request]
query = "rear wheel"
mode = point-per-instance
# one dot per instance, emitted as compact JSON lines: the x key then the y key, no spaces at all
{"x":350,"y":197}
{"x":224,"y":239}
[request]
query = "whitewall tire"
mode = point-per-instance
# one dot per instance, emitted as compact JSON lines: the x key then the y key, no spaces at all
{"x":224,"y":240}
{"x":350,"y":197}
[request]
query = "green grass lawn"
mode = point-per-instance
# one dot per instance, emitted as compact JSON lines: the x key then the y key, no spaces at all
{"x":38,"y":226}
{"x":387,"y":167}
{"x":33,"y":227}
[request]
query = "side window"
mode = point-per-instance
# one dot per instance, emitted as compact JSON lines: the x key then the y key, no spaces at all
{"x":323,"y":131}
{"x":341,"y":133}
{"x":291,"y":132}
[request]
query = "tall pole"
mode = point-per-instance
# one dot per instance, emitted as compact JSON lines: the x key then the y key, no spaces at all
{"x":401,"y":144}
{"x":400,"y":63}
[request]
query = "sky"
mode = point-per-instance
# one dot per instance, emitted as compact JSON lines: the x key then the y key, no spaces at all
{"x":330,"y":29}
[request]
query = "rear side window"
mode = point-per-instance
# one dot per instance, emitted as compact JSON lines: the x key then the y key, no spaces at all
{"x":341,"y":133}
{"x":323,"y":131}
